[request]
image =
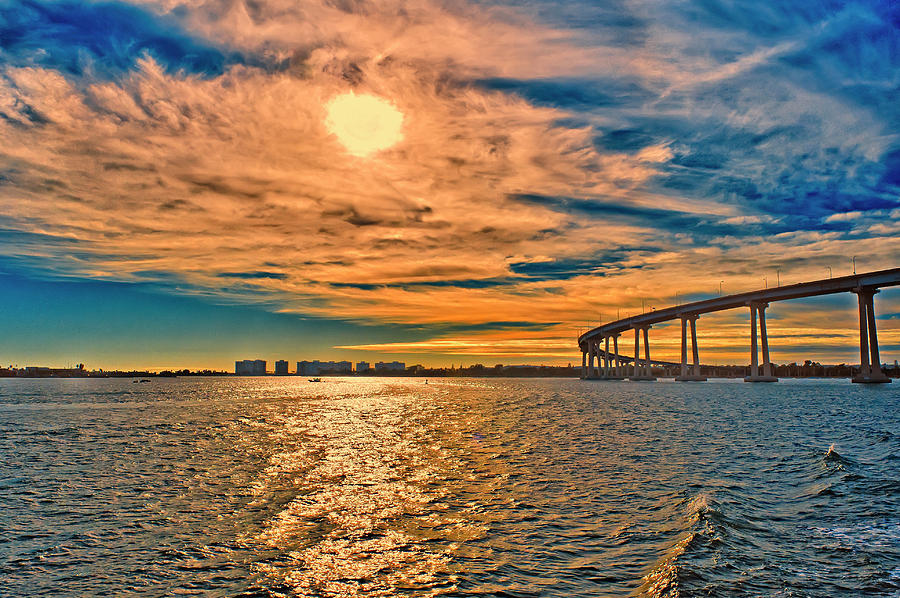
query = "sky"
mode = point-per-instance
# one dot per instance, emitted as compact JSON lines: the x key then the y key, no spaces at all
{"x":178,"y":187}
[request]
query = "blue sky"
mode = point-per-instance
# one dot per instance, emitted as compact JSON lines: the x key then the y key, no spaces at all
{"x":128,"y":325}
{"x":559,"y":161}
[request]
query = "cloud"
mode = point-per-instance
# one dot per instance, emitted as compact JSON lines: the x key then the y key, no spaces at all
{"x":749,"y":219}
{"x":551,"y":167}
{"x":844,"y":216}
{"x":254,"y":275}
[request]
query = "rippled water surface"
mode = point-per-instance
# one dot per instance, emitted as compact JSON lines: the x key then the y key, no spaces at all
{"x":383,"y":487}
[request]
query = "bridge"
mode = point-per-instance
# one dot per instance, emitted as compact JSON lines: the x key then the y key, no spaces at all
{"x":611,"y":365}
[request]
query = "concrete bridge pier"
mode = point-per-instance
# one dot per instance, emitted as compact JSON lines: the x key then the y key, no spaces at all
{"x":602,"y":358}
{"x":606,"y":359}
{"x":642,"y":368}
{"x":609,"y":365}
{"x":869,"y":359}
{"x":587,"y":361}
{"x":612,"y":363}
{"x":759,"y":307}
{"x":607,"y":362}
{"x":589,"y":353}
{"x":594,"y":371}
{"x":692,"y":375}
{"x":619,"y":371}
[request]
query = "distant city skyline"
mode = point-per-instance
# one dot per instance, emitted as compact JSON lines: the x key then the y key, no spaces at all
{"x":243,"y":368}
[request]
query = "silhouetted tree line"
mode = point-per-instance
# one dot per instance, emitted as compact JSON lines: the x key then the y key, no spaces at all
{"x":807,"y":369}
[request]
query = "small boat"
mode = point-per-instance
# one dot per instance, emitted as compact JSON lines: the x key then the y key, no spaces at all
{"x":315,"y":379}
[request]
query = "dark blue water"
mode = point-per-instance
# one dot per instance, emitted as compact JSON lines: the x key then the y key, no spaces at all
{"x":378,"y":487}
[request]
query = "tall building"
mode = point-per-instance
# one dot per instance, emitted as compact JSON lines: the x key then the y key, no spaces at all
{"x":281,"y":367}
{"x":393,"y":366}
{"x":316,"y":367}
{"x":250,"y":367}
{"x":362,"y":366}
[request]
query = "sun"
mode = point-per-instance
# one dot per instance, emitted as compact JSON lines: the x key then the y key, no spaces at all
{"x":364,"y":123}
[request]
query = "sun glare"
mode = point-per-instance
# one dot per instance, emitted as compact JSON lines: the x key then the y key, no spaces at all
{"x":364,"y":123}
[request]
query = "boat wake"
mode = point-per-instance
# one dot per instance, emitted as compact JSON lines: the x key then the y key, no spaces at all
{"x":704,"y":527}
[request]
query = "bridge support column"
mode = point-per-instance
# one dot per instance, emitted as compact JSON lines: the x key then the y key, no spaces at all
{"x":606,"y":357}
{"x":590,"y":364}
{"x":619,"y":372}
{"x":607,"y":363}
{"x":755,"y":376}
{"x":870,"y":361}
{"x":611,"y":360}
{"x":637,"y":351}
{"x":692,"y":374}
{"x":642,"y":368}
{"x":599,"y":359}
{"x":598,"y":348}
{"x":694,"y":348}
{"x":646,"y":351}
{"x":591,"y":356}
{"x":583,"y":364}
{"x":764,"y":337}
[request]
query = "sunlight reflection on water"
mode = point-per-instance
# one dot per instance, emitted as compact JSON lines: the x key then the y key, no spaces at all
{"x":367,"y":470}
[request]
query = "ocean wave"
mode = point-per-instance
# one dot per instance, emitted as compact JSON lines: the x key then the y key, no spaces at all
{"x":705,"y":524}
{"x":832,"y":456}
{"x":883,"y":534}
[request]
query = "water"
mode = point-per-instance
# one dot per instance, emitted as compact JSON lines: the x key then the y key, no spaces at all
{"x":384,"y":487}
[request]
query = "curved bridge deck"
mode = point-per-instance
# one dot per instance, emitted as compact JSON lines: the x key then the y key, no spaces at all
{"x":864,"y":285}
